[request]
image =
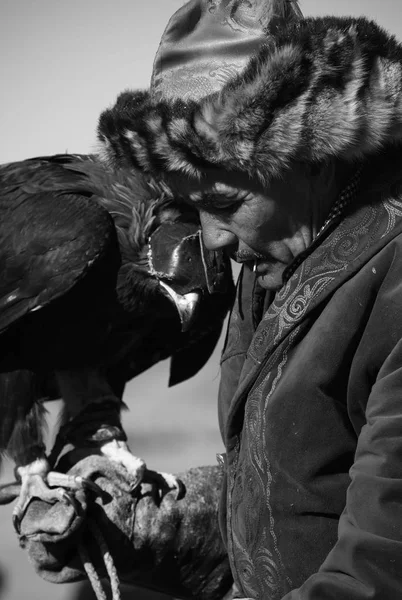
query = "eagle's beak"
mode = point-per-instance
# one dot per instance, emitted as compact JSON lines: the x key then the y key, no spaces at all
{"x":186,"y":305}
{"x":186,"y":271}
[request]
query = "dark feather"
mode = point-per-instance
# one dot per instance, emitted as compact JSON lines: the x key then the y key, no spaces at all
{"x":76,"y":291}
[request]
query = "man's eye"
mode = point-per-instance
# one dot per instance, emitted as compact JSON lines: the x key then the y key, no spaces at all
{"x":223,"y":203}
{"x":227,"y":206}
{"x":218,"y":205}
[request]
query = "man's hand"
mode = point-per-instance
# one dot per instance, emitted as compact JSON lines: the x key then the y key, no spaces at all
{"x":148,"y":537}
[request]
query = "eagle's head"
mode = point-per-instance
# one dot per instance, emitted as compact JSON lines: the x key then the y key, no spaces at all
{"x":170,"y":287}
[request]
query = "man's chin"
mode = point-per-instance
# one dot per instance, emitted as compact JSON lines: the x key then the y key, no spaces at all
{"x":271,"y":281}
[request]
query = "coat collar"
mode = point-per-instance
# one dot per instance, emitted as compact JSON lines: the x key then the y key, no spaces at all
{"x":335,"y":260}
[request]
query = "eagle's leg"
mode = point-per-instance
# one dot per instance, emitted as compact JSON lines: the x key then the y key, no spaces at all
{"x":118,"y":451}
{"x":93,"y":420}
{"x":21,"y":437}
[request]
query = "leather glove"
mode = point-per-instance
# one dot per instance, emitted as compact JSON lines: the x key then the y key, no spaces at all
{"x":169,"y":545}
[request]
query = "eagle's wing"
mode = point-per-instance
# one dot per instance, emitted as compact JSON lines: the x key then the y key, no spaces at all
{"x":51,"y":234}
{"x":188,"y":361}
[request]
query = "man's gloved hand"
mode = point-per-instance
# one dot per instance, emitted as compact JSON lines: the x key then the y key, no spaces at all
{"x":172,"y":546}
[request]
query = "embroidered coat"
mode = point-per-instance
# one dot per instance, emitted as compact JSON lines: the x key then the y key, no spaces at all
{"x":311,"y":410}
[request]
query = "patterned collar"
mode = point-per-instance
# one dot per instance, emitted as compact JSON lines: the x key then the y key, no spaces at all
{"x":345,"y":198}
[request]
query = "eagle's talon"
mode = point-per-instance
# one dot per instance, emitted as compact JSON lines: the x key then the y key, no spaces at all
{"x":55,"y":479}
{"x":69,"y":499}
{"x":173,"y":483}
{"x":36,"y":487}
{"x":165,"y":481}
{"x":37,"y":481}
{"x":181,"y":489}
{"x":134,"y":485}
{"x":119,"y":452}
{"x":16,"y":519}
{"x":87,"y":484}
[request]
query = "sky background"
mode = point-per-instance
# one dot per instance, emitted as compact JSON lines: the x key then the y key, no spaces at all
{"x":61,"y":64}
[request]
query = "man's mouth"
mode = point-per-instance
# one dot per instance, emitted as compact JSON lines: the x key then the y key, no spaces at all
{"x":259,"y":264}
{"x":248,"y":257}
{"x":262,"y":266}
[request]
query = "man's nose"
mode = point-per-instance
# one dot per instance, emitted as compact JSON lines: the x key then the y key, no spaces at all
{"x":214,"y":232}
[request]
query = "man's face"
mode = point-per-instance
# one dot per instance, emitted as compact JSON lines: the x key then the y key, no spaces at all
{"x":265,"y":228}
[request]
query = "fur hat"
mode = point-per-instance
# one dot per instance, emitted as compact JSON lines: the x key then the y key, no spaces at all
{"x":317,"y":89}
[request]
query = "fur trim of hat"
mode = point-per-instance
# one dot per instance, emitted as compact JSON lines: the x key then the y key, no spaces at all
{"x":319,"y":89}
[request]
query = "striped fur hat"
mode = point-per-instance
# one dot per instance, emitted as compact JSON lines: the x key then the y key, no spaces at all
{"x":313,"y":90}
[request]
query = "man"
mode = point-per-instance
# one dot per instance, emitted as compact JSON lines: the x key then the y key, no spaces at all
{"x":286,"y":134}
